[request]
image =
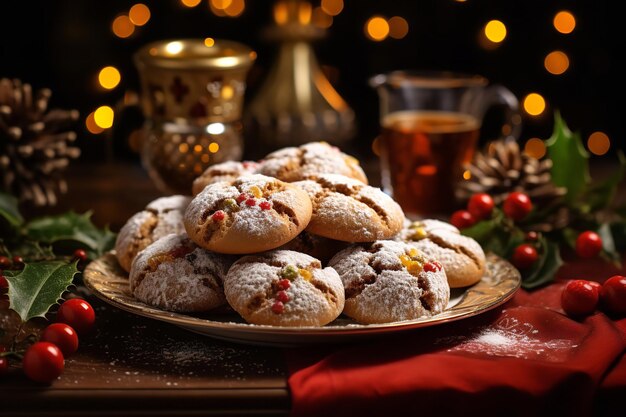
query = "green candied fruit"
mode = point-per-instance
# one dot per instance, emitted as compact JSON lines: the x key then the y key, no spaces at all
{"x":290,"y":272}
{"x":231,"y":204}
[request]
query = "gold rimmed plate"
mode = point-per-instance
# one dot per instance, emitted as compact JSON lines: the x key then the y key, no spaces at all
{"x":109,"y":282}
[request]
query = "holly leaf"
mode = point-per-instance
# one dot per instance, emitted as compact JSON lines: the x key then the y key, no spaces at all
{"x":39,"y":286}
{"x":609,"y":251}
{"x":600,"y":195}
{"x":9,"y":210}
{"x":544,"y":270}
{"x":73,"y":231}
{"x":570,"y":168}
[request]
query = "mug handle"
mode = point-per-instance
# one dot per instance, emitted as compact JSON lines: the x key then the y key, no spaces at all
{"x":498,"y":94}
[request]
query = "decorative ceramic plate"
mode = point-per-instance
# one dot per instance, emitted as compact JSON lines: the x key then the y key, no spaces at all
{"x":109,"y":282}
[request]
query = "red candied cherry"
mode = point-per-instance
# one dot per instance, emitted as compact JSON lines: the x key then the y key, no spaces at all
{"x":432,"y":266}
{"x":5,"y":263}
{"x":251,"y":202}
{"x":43,"y":362}
{"x":282,"y":296}
{"x":81,"y":255}
{"x":4,"y":363}
{"x":63,"y":336}
{"x":579,"y":298}
{"x":588,"y":244}
{"x":517,"y":206}
{"x":77,"y":313}
{"x":218,"y":216}
{"x":242,"y":197}
{"x":265,"y":205}
{"x":278,"y":307}
{"x":480,"y":206}
{"x":524,"y":256}
{"x":613,"y":294}
{"x":462,"y":219}
{"x":284,"y":284}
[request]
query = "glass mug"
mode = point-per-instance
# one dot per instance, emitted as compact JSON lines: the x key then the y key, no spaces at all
{"x":430,"y":125}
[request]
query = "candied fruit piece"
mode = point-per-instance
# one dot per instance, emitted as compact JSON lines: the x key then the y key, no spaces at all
{"x":290,"y":272}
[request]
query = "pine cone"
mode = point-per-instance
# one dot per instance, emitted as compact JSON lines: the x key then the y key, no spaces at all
{"x":502,"y":168}
{"x":34,"y":143}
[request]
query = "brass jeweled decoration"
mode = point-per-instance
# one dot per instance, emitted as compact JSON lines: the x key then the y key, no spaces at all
{"x":296,"y":103}
{"x":192,"y":98}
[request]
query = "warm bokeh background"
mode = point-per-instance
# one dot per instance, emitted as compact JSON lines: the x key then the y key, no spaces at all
{"x":63,"y":44}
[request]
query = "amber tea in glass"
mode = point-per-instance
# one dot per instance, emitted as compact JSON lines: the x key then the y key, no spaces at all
{"x":430,"y":125}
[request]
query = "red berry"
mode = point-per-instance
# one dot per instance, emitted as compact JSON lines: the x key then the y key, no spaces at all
{"x":433,"y":266}
{"x":81,"y":255}
{"x":517,"y":206}
{"x":284,"y":284}
{"x":63,"y":336}
{"x":282,"y":296}
{"x":524,"y":256}
{"x":480,"y":206}
{"x":596,"y":285}
{"x":462,"y":219}
{"x":613,"y":294}
{"x":278,"y":307}
{"x":5,"y":263}
{"x":218,"y":216}
{"x":241,"y":197}
{"x":78,"y":314}
{"x":18,"y":262}
{"x":579,"y":298}
{"x":251,"y":202}
{"x":265,"y":205}
{"x":531,"y":236}
{"x":43,"y":362}
{"x":4,"y":284}
{"x":588,"y":244}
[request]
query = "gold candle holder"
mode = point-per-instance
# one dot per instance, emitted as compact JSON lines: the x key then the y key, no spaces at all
{"x":192,"y":97}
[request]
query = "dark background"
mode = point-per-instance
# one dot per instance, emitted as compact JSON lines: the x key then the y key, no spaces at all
{"x":62,"y":45}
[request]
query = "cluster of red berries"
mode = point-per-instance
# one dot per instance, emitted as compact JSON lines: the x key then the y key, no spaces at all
{"x":581,"y":298}
{"x":517,"y":206}
{"x":44,"y":360}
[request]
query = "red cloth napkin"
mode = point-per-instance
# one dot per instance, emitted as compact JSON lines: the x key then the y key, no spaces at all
{"x":525,"y":358}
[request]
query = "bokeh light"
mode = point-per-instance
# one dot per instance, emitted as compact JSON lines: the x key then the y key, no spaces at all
{"x":535,"y":148}
{"x":377,"y":28}
{"x":235,"y":8}
{"x":209,"y":42}
{"x":109,"y":77}
{"x":534,"y":104}
{"x":556,"y":62}
{"x":221,"y":4}
{"x":495,"y":31}
{"x":92,"y":127}
{"x":398,"y":27}
{"x":321,"y":19}
{"x":190,"y":3}
{"x":122,"y":27}
{"x":214,"y":147}
{"x":332,"y":7}
{"x":598,"y":143}
{"x":139,"y":14}
{"x":564,"y":22}
{"x":467,"y":174}
{"x":103,"y":116}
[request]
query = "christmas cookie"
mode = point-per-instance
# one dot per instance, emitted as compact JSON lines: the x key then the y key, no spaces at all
{"x":250,"y":214}
{"x":160,"y":218}
{"x":461,"y":256}
{"x":307,"y":161}
{"x":226,"y":171}
{"x":316,"y":246}
{"x":348,"y":210}
{"x":389,"y":281}
{"x":284,"y":288}
{"x":175,"y":274}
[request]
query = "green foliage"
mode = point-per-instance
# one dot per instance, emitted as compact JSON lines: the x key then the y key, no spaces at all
{"x":9,"y":211}
{"x":39,"y":286}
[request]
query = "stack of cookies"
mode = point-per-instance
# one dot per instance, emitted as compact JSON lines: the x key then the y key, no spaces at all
{"x":295,"y":239}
